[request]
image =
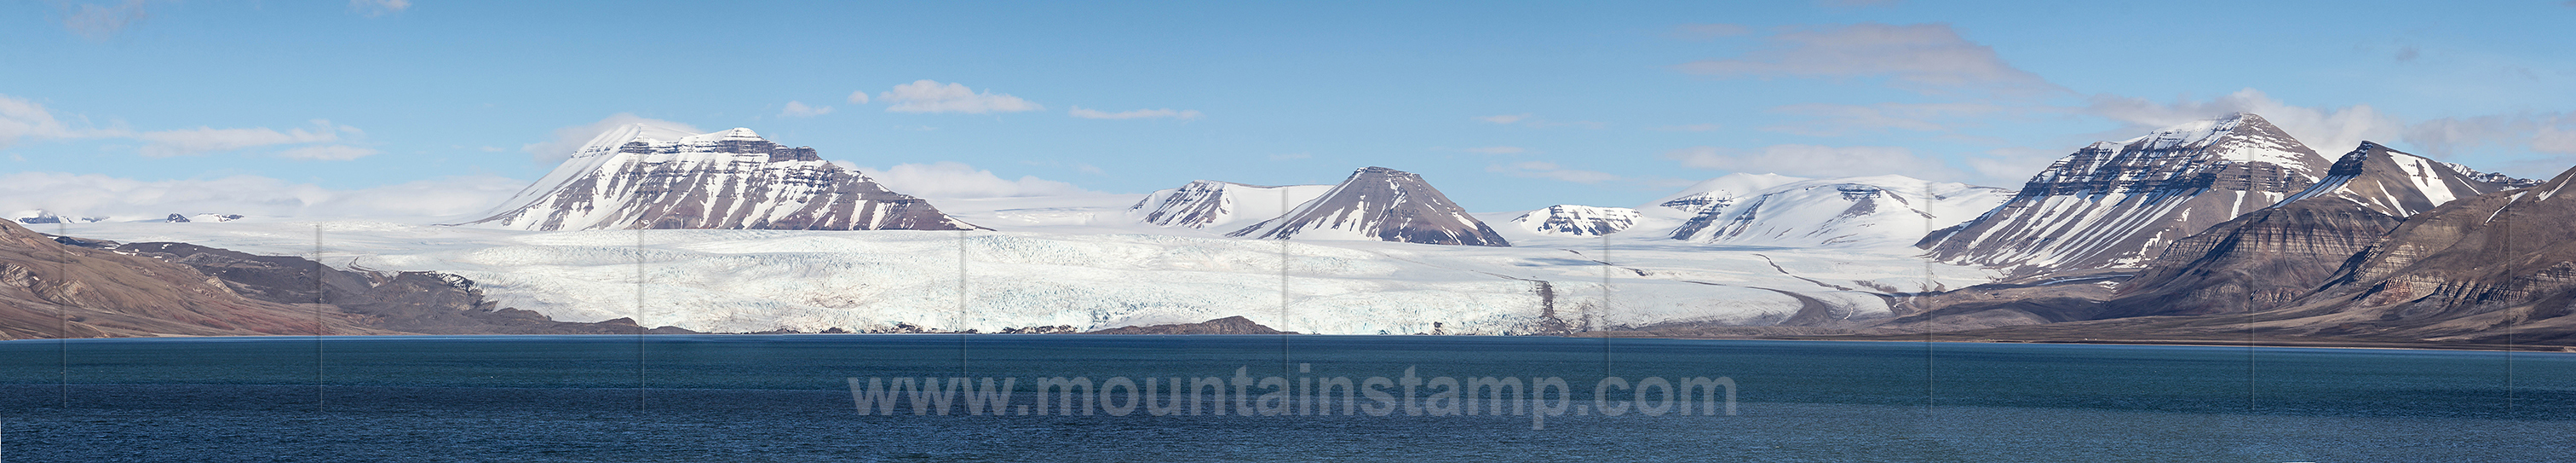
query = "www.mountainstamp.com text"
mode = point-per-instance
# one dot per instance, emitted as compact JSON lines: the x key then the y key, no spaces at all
{"x":1242,"y":394}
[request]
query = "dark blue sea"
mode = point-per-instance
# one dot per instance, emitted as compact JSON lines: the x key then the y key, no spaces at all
{"x":790,"y":398}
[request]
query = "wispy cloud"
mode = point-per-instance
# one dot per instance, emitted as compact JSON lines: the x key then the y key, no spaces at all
{"x":22,"y":119}
{"x":328,"y":153}
{"x":26,"y":120}
{"x":927,"y":96}
{"x":1495,"y":150}
{"x":1928,"y":58}
{"x":1689,"y":128}
{"x":375,"y":8}
{"x":1533,"y":121}
{"x":1814,"y":161}
{"x":1551,"y":171}
{"x":954,"y":180}
{"x":168,"y":143}
{"x":100,"y":22}
{"x":568,"y":139}
{"x":1842,"y":119}
{"x":1709,"y":31}
{"x":1187,"y":114}
{"x":119,"y":198}
{"x":799,"y":109}
{"x":2330,"y":131}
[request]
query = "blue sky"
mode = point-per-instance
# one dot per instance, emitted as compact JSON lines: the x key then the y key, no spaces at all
{"x":135,"y":103}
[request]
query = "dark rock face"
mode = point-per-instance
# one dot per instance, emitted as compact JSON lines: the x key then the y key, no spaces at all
{"x":2464,"y":271}
{"x":2260,"y":260}
{"x":725,"y":180}
{"x":1384,"y":204}
{"x":2120,"y":204}
{"x":409,"y":302}
{"x":1228,"y":325}
{"x":2267,"y":258}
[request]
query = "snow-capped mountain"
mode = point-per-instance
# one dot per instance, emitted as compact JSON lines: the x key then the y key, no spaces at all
{"x":2271,"y":256}
{"x":1888,"y":210}
{"x":48,"y":217}
{"x":1718,"y":192}
{"x":1209,"y":204}
{"x":2455,"y":273}
{"x":186,"y":218}
{"x":2121,"y":204}
{"x":1573,"y":220}
{"x":1378,"y":203}
{"x":2396,"y":183}
{"x":642,"y":176}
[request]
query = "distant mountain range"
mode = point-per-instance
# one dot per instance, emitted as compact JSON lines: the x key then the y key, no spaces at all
{"x":2201,"y":230}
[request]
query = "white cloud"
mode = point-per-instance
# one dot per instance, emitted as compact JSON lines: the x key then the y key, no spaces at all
{"x":859,"y":97}
{"x":22,"y":119}
{"x":1549,"y":170}
{"x":1709,"y":31}
{"x":1078,"y":111}
{"x":927,"y":96}
{"x":2010,"y":166}
{"x":99,"y":22}
{"x":953,"y":180}
{"x":2558,"y":135}
{"x":25,"y":120}
{"x":91,"y":195}
{"x":1928,"y":58}
{"x":1690,"y":127}
{"x":2329,"y":131}
{"x":568,"y":139}
{"x":1533,"y":121}
{"x":799,"y":109}
{"x":168,"y":143}
{"x":1841,"y":119}
{"x":328,"y":153}
{"x":1815,"y":161}
{"x":374,"y":8}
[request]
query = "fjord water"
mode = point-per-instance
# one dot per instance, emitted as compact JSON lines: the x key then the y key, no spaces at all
{"x":786,"y":398}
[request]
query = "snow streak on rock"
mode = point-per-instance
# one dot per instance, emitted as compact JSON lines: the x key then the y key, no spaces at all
{"x":1378,"y":203}
{"x":2120,"y":204}
{"x":640,"y":176}
{"x":1573,"y":220}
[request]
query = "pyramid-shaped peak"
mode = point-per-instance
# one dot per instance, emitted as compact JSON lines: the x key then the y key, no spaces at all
{"x":2392,"y":182}
{"x":1379,"y":203}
